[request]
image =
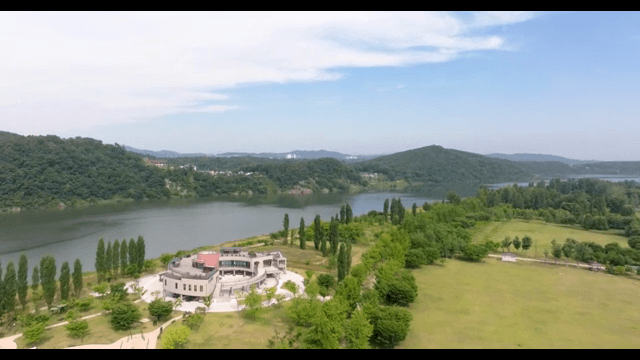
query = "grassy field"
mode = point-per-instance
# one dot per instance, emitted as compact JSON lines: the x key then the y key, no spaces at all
{"x":542,"y":233}
{"x":505,"y":305}
{"x":232,"y":331}
{"x":100,"y":331}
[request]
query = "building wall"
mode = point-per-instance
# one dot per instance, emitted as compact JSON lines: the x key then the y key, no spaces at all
{"x":208,"y":286}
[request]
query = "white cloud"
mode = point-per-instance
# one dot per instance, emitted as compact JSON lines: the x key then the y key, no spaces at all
{"x":64,"y":71}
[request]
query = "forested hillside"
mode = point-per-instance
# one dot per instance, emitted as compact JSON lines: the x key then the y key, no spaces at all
{"x":435,"y":164}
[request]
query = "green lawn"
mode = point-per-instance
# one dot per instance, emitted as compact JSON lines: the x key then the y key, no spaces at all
{"x":232,"y":331}
{"x":505,"y":305}
{"x":542,"y":233}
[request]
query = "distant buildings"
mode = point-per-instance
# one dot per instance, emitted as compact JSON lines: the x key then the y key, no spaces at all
{"x":157,"y":162}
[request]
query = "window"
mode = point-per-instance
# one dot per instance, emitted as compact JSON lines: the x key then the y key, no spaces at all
{"x":176,"y":285}
{"x":184,"y":286}
{"x":189,"y":287}
{"x":201,"y":288}
{"x":165,"y":282}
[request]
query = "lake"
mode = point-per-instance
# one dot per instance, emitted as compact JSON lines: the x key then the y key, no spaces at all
{"x":169,"y":225}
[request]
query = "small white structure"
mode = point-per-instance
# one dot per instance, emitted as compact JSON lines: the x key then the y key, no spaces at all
{"x":509,"y":257}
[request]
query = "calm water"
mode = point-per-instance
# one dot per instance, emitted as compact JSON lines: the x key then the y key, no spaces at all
{"x":167,"y":226}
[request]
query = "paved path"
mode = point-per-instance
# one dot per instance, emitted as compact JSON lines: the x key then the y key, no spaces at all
{"x":550,"y":262}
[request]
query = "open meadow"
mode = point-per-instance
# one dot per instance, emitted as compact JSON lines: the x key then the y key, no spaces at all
{"x":505,"y":305}
{"x":542,"y":233}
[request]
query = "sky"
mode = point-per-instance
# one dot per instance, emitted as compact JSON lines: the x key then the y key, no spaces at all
{"x":564,"y":83}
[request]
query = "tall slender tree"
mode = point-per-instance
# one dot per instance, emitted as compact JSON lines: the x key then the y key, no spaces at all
{"x":124,"y":254}
{"x":348,"y":256}
{"x":48,"y":278}
{"x":10,"y":288}
{"x":393,"y":210}
{"x":385,"y":210}
{"x":342,"y":262}
{"x":343,"y":214}
{"x":318,"y":232}
{"x":133,"y":256}
{"x":35,"y":278}
{"x":285,"y":224}
{"x":414,"y":209}
{"x":23,"y":280}
{"x":100,"y":259}
{"x":108,"y":254}
{"x":64,"y":279}
{"x":77,"y":278}
{"x":349,"y":215}
{"x":115,"y":258}
{"x":140,"y":252}
{"x":1,"y":293}
{"x":400,"y":211}
{"x":333,"y":236}
{"x":303,"y":235}
{"x":323,"y":243}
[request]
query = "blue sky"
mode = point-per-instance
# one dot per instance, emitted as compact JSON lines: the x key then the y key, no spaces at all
{"x":554,"y":83}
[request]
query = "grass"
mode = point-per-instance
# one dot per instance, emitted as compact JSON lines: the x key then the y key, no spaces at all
{"x":232,"y":331}
{"x":542,"y":233}
{"x":505,"y":305}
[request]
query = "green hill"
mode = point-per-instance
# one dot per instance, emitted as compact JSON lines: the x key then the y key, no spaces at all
{"x":435,"y":164}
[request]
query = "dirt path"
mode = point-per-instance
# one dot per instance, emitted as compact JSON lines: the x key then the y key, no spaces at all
{"x":565,"y":263}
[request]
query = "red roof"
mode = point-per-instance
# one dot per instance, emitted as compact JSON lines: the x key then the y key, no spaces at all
{"x":209,"y":260}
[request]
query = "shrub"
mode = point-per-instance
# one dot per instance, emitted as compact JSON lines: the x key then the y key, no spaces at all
{"x":160,"y":308}
{"x":326,"y":280}
{"x":390,"y":326}
{"x":124,"y":315}
{"x":175,"y":338}
{"x":194,"y":321}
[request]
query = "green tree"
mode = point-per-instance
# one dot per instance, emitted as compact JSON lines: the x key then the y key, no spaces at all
{"x":10,"y":287}
{"x":357,"y":331}
{"x":115,"y":258}
{"x":101,"y":288}
{"x":506,"y":243}
{"x":334,"y":236}
{"x":414,"y":209}
{"x":65,"y":277}
{"x":385,"y":209}
{"x":100,"y":260}
{"x":33,"y":333}
{"x":321,"y":335}
{"x":140,"y":253}
{"x":318,"y":233}
{"x":48,"y":278}
{"x":107,"y":258}
{"x":253,"y":303}
{"x":35,"y":278}
{"x":160,"y":309}
{"x":343,"y":214}
{"x":133,"y":258}
{"x":516,"y":243}
{"x":124,"y":315}
{"x":175,"y":338}
{"x":285,"y":224}
{"x":78,"y":329}
{"x":526,"y":242}
{"x":393,"y":210}
{"x":349,"y":214}
{"x":342,"y":263}
{"x":390,"y":326}
{"x":124,"y":253}
{"x":77,"y":278}
{"x":303,"y":238}
{"x":23,"y":282}
{"x":453,"y":197}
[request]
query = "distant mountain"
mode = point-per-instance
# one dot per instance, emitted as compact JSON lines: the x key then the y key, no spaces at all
{"x":435,"y":164}
{"x":162,"y":153}
{"x":301,"y":154}
{"x":4,"y":136}
{"x":539,"y":157}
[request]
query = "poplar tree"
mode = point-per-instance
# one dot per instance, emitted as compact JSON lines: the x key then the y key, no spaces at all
{"x":285,"y":224}
{"x":100,"y":259}
{"x":124,"y":253}
{"x":140,"y":252}
{"x":414,"y":209}
{"x":10,"y":288}
{"x":348,"y":256}
{"x":133,"y":256}
{"x":115,"y":257}
{"x":333,"y":236}
{"x":23,"y":280}
{"x":77,"y":278}
{"x":318,"y":232}
{"x":48,"y":278}
{"x":323,"y":244}
{"x":349,"y":216}
{"x":385,"y":210}
{"x":35,"y":278}
{"x":65,"y":277}
{"x":342,"y":263}
{"x":400,"y":211}
{"x":343,"y":214}
{"x":107,"y":259}
{"x":303,"y":235}
{"x":1,"y":293}
{"x":393,"y":210}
